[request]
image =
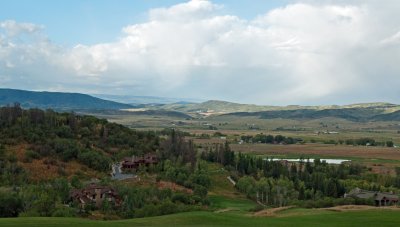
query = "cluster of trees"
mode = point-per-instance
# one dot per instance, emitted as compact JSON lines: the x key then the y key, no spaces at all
{"x":268,"y":191}
{"x":357,"y":142}
{"x":279,"y":139}
{"x":50,"y":199}
{"x":278,"y":183}
{"x":262,"y":138}
{"x":220,"y":153}
{"x":178,"y":150}
{"x":179,"y":164}
{"x":10,"y":172}
{"x":44,"y":199}
{"x":368,"y":142}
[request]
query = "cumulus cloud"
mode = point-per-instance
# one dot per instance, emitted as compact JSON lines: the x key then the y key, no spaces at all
{"x":308,"y":52}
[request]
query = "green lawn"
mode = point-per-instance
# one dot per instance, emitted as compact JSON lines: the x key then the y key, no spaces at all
{"x":351,"y":218}
{"x":235,"y":204}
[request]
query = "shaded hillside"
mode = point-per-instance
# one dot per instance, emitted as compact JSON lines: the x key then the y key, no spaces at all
{"x":394,"y":116}
{"x":56,"y":100}
{"x":159,"y":113}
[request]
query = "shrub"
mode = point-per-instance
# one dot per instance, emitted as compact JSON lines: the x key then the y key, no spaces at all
{"x":64,"y":212}
{"x":257,"y":208}
{"x":10,"y":204}
{"x":180,"y":197}
{"x":32,"y":154}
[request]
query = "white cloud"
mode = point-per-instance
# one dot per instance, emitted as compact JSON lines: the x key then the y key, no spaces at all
{"x":307,"y":52}
{"x":12,"y":28}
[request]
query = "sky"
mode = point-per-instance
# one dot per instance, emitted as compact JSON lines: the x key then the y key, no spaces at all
{"x":275,"y":52}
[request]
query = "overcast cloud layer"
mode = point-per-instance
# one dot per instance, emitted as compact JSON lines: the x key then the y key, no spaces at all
{"x":308,"y":52}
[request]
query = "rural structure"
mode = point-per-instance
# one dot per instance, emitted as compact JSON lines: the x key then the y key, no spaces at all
{"x":133,"y":163}
{"x":380,"y":198}
{"x":94,"y":194}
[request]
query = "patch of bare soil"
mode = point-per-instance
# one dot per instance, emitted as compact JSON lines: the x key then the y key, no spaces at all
{"x":225,"y":210}
{"x":174,"y":187}
{"x":271,"y":212}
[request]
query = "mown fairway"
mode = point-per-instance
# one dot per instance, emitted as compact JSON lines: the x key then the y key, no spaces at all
{"x":331,"y":218}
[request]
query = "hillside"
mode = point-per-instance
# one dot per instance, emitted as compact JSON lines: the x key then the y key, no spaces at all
{"x":56,"y":100}
{"x":48,"y":144}
{"x":354,"y":112}
{"x":215,"y":106}
{"x":230,"y":107}
{"x":351,"y":114}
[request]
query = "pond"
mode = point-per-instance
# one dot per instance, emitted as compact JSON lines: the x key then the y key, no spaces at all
{"x":327,"y":160}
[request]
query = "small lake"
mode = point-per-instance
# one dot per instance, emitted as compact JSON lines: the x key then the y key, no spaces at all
{"x":327,"y":160}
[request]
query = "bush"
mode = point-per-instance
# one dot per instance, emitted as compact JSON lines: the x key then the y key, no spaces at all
{"x":200,"y":191}
{"x":330,"y":202}
{"x":10,"y":204}
{"x":389,"y":143}
{"x":180,"y":197}
{"x":257,"y":208}
{"x":94,"y":160}
{"x":64,"y":212}
{"x":168,"y":207}
{"x":32,"y":154}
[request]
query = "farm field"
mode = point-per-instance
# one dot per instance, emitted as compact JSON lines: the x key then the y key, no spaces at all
{"x":237,"y":126}
{"x":322,"y":150}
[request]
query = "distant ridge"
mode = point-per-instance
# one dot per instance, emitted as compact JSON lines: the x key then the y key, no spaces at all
{"x":354,"y":112}
{"x":56,"y":100}
{"x":137,"y":100}
{"x":230,"y":107}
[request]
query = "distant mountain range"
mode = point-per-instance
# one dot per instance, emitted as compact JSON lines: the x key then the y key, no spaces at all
{"x":137,"y":100}
{"x":56,"y":100}
{"x":158,"y":106}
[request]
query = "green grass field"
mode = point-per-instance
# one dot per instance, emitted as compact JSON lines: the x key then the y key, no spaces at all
{"x":329,"y":218}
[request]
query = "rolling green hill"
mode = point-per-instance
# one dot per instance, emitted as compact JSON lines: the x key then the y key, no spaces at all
{"x":56,"y":100}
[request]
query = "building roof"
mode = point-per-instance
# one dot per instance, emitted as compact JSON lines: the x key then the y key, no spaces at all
{"x":136,"y":161}
{"x":87,"y":194}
